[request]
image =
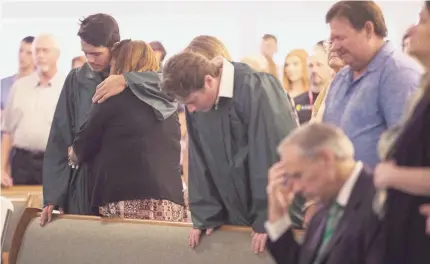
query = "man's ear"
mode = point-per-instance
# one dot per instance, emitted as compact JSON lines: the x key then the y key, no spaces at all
{"x":208,"y":81}
{"x":369,"y":29}
{"x":115,"y":46}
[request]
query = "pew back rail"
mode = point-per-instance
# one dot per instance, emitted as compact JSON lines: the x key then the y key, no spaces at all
{"x":20,"y":201}
{"x":86,"y":239}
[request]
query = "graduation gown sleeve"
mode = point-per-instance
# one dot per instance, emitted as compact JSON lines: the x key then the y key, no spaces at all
{"x":56,"y":172}
{"x":205,"y":204}
{"x":88,"y":140}
{"x":270,"y":117}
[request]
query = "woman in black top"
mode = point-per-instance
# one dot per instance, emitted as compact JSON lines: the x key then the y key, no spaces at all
{"x":134,"y":153}
{"x":406,"y":173}
{"x":297,"y":83}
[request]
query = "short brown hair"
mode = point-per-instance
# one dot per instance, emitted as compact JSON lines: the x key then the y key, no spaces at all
{"x":358,"y":13}
{"x":77,"y":59}
{"x":270,"y":36}
{"x":99,"y":30}
{"x":320,"y":43}
{"x":185,"y":73}
{"x":157,"y":46}
{"x":28,"y":39}
{"x":133,"y":56}
{"x":208,"y":46}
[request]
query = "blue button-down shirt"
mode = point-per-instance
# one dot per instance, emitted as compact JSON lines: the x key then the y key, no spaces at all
{"x":6,"y":84}
{"x":367,"y":106}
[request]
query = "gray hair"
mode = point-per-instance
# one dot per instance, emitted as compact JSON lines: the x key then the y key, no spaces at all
{"x":312,"y":138}
{"x":54,"y":41}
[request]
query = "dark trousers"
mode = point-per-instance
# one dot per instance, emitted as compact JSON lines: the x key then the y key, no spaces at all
{"x":26,"y":167}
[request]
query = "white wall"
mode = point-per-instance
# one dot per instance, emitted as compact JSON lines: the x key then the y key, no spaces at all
{"x":239,"y":25}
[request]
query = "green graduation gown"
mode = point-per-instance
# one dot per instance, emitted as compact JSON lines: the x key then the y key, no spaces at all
{"x":231,"y":149}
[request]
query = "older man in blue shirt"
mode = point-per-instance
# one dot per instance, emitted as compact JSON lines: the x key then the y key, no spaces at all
{"x":369,"y":94}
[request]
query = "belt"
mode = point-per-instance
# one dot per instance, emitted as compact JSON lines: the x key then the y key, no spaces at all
{"x":31,"y":153}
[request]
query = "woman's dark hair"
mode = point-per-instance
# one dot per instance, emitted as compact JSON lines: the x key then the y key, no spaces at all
{"x":99,"y":30}
{"x":428,"y":6}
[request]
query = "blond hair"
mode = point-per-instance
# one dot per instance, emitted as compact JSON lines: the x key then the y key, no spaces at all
{"x":208,"y":46}
{"x":133,"y":56}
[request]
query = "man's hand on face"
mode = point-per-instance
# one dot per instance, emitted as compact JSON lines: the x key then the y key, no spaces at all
{"x":279,"y":193}
{"x":112,"y":85}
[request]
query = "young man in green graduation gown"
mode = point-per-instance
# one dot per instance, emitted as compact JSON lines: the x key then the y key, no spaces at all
{"x":236,"y":118}
{"x":69,"y":189}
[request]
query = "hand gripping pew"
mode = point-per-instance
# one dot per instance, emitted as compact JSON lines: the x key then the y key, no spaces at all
{"x":91,"y":240}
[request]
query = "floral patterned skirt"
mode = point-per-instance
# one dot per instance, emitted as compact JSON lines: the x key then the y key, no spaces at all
{"x":148,"y":209}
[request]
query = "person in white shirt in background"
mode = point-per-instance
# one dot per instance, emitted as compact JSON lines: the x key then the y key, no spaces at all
{"x":28,"y":116}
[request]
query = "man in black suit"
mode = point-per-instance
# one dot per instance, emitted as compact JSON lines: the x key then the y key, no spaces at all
{"x":317,"y":160}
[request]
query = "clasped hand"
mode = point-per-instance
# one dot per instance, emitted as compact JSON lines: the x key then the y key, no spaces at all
{"x":73,"y":160}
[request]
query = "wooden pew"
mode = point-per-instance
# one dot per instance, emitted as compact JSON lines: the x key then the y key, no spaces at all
{"x":21,"y":197}
{"x":6,"y":210}
{"x":34,"y":200}
{"x":91,"y":240}
{"x":21,"y":190}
